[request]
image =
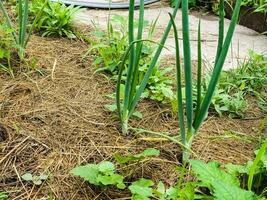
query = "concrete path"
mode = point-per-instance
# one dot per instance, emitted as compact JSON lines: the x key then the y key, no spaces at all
{"x":243,"y":40}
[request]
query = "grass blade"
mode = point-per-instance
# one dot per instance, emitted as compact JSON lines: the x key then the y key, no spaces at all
{"x":187,"y":65}
{"x":217,"y":69}
{"x":179,"y":83}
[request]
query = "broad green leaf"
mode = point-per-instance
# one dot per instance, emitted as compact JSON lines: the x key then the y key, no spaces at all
{"x":138,"y":114}
{"x":88,"y":172}
{"x":106,"y":167}
{"x":210,"y":172}
{"x":146,"y":153}
{"x":236,"y":169}
{"x":27,"y":177}
{"x":172,"y":193}
{"x":160,"y":191}
{"x":142,"y":187}
{"x":36,"y":180}
{"x":139,"y":197}
{"x":225,"y":191}
{"x":43,"y":176}
{"x":111,"y":107}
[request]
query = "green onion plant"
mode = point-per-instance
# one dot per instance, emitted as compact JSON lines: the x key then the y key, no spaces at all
{"x":191,"y":118}
{"x":21,"y":37}
{"x":133,"y":91}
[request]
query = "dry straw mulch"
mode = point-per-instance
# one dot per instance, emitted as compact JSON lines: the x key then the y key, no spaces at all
{"x":57,"y":121}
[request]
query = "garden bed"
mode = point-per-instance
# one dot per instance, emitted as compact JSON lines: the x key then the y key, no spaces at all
{"x":57,"y":121}
{"x":249,"y":18}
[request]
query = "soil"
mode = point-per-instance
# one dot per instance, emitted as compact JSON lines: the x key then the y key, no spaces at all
{"x":249,"y":18}
{"x":57,"y":120}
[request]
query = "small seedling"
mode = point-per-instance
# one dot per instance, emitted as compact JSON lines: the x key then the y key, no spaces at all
{"x":102,"y":174}
{"x":56,"y":18}
{"x":36,"y":180}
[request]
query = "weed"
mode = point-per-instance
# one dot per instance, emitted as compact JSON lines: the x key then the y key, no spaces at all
{"x":21,"y":39}
{"x":234,"y":85}
{"x":108,"y":48}
{"x":102,"y":174}
{"x":56,"y":18}
{"x":236,"y":181}
{"x":36,"y":180}
{"x":6,"y":48}
{"x":20,"y":35}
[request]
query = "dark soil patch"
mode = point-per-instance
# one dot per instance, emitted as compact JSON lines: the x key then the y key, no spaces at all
{"x":3,"y":133}
{"x":58,"y":121}
{"x":249,"y":18}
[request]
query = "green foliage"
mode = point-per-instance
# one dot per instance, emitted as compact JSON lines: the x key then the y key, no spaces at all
{"x":36,"y":180}
{"x":132,"y":91}
{"x":21,"y":38}
{"x":141,"y":189}
{"x":3,"y":196}
{"x":258,"y":5}
{"x":222,"y":185}
{"x":102,"y":174}
{"x":232,"y":182}
{"x":195,"y":118}
{"x":108,"y":49}
{"x":248,"y":79}
{"x":146,"y":153}
{"x":225,"y":102}
{"x":192,"y":3}
{"x":56,"y":18}
{"x":7,"y":46}
{"x":145,"y":189}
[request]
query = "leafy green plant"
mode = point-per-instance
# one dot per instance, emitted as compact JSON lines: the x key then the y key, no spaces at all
{"x":132,"y":91}
{"x":108,"y":48}
{"x":36,"y":180}
{"x":6,"y":48}
{"x":221,"y":184}
{"x":258,"y":5}
{"x":234,"y":85}
{"x":14,"y":39}
{"x":195,"y":117}
{"x":236,"y":181}
{"x":101,"y":174}
{"x":22,"y":38}
{"x":56,"y":18}
{"x":225,"y":102}
{"x":145,"y":154}
{"x":145,"y":189}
